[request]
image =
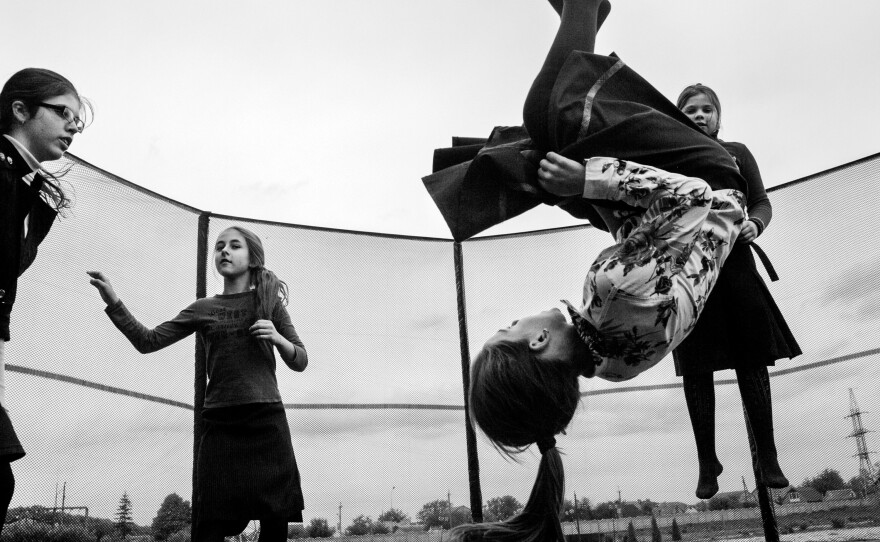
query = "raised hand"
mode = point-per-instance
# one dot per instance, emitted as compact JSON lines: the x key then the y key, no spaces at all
{"x":102,"y":283}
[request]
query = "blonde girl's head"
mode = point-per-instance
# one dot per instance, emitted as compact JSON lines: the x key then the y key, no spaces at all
{"x":268,"y":287}
{"x":701,"y":104}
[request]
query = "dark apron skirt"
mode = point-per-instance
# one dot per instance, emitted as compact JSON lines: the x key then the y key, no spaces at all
{"x":246,"y":467}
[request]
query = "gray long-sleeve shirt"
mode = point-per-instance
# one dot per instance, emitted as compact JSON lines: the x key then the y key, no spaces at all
{"x":240,"y":368}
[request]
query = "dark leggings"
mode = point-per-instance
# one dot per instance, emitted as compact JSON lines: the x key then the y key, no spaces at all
{"x":578,"y":26}
{"x":271,"y":530}
{"x":754,"y":388}
{"x":7,"y":487}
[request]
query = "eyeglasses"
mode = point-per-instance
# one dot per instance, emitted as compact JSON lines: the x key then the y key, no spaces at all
{"x":65,"y":113}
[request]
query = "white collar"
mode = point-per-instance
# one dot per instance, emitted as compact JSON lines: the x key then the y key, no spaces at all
{"x":26,"y":154}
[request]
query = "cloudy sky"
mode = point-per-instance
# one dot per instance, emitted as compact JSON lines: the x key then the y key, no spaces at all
{"x":326,"y":114}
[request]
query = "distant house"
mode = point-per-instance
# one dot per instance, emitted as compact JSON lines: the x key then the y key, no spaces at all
{"x":793,"y":494}
{"x":839,"y":495}
{"x":801,"y":494}
{"x":670,"y":508}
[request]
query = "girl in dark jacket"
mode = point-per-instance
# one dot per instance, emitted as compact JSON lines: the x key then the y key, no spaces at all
{"x":741,"y":327}
{"x":40,"y":113}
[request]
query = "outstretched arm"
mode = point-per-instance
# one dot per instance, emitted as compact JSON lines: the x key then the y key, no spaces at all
{"x":145,"y":340}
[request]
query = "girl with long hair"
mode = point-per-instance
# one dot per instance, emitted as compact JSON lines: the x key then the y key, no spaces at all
{"x":40,"y":114}
{"x":674,"y":201}
{"x":246,"y":469}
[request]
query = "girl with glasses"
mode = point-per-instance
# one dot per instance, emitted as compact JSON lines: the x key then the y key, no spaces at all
{"x":40,"y":113}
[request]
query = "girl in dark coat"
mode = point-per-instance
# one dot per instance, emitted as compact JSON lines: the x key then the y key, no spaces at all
{"x":741,"y":327}
{"x":39,"y":116}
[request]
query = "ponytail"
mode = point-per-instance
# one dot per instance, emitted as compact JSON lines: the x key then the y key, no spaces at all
{"x":517,"y":400}
{"x":539,"y":519}
{"x":269,"y":290}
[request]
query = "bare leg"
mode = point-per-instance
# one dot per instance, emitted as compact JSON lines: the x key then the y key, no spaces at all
{"x":754,"y":387}
{"x":699,"y":394}
{"x":579,"y":22}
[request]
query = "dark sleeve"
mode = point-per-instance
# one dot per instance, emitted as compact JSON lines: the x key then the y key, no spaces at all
{"x":760,"y":210}
{"x":147,"y":340}
{"x":282,"y":322}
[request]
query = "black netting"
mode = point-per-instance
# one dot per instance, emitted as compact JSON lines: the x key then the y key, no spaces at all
{"x":377,"y":419}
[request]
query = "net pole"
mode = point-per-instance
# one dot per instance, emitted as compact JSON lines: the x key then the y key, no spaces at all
{"x":200,"y":379}
{"x":470,"y":435}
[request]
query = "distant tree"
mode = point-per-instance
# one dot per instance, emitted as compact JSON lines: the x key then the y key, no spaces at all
{"x":434,"y":514}
{"x":655,"y":530}
{"x":174,"y":514}
{"x":124,"y":525}
{"x":394,"y":515}
{"x":720,"y":503}
{"x":631,"y":533}
{"x":102,"y":527}
{"x":629,"y":510}
{"x":360,"y":525}
{"x":319,"y":528}
{"x":501,"y":508}
{"x":647,"y":507}
{"x":676,"y":532}
{"x":296,"y":531}
{"x":827,"y":480}
{"x":605,"y":510}
{"x":460,"y":514}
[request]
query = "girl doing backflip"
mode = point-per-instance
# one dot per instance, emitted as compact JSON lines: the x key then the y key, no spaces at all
{"x":674,"y":222}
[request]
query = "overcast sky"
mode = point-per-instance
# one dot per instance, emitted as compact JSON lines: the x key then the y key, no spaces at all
{"x":326,"y":114}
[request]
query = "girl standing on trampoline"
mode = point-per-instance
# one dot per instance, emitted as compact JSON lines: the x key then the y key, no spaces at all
{"x":39,"y":116}
{"x":674,"y":224}
{"x":246,"y":467}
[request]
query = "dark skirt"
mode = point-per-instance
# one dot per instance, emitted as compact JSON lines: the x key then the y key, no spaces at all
{"x":246,"y":467}
{"x":740,"y":326}
{"x":598,"y":107}
{"x":10,"y":448}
